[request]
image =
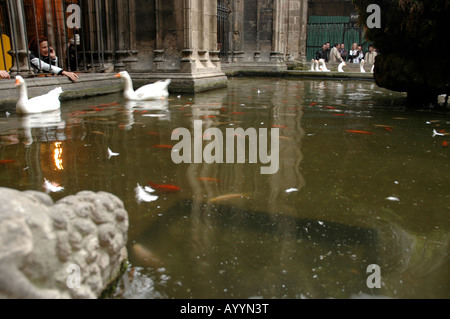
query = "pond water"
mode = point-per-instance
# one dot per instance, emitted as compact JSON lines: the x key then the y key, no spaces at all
{"x":362,"y":181}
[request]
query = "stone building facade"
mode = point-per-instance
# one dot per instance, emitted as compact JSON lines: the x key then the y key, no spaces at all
{"x":179,"y":39}
{"x":267,"y":34}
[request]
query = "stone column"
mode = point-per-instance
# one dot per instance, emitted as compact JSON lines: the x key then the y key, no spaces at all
{"x":185,"y":46}
{"x":110,"y":41}
{"x":19,"y":53}
{"x":237,"y":31}
{"x":126,"y":34}
{"x":303,"y":30}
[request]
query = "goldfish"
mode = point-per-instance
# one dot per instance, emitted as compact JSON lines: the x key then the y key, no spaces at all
{"x":163,"y":146}
{"x":164,"y":188}
{"x":330,"y":107}
{"x":381,"y":125}
{"x":8,"y":161}
{"x":445,"y":143}
{"x":359,"y":132}
{"x":312,"y":104}
{"x":225,"y":197}
{"x":107,"y":104}
{"x":148,"y":258}
{"x":209,"y":179}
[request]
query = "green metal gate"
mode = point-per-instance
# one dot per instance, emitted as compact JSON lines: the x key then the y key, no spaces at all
{"x":333,"y":29}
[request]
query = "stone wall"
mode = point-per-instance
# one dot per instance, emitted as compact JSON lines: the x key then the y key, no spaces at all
{"x":267,"y":34}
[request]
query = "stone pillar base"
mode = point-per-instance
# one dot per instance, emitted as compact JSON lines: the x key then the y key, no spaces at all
{"x":184,"y":82}
{"x":21,"y":66}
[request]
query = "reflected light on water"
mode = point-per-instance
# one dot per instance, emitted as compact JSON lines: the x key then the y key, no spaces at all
{"x":57,"y":156}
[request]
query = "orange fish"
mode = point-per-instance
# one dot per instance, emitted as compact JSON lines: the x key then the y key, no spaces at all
{"x":108,"y":104}
{"x":226,"y":197}
{"x":163,"y":146}
{"x":388,"y":129}
{"x":208,"y":116}
{"x":164,"y":188}
{"x":359,"y":132}
{"x":445,"y":143}
{"x":209,"y":179}
{"x":8,"y":161}
{"x":330,"y":107}
{"x":312,"y":104}
{"x":153,"y":133}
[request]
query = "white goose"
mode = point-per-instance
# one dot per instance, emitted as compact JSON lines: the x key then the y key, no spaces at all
{"x":44,"y":103}
{"x":361,"y":66}
{"x":324,"y":66}
{"x":340,"y":67}
{"x":373,"y":68}
{"x":316,"y":66}
{"x":154,"y":91}
{"x":312,"y":65}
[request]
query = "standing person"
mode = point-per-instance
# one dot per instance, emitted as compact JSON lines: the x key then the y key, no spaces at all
{"x":343,"y":52}
{"x":48,"y":61}
{"x":353,"y":54}
{"x":335,"y":56}
{"x":370,"y":56}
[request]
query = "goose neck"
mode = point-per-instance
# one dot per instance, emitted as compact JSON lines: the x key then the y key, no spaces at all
{"x":23,"y":92}
{"x":128,"y":84}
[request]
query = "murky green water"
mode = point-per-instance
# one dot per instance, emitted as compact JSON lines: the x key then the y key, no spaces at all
{"x":376,"y":196}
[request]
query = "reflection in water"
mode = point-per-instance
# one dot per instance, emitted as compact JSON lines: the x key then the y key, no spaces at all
{"x":308,"y":231}
{"x":57,"y":156}
{"x":49,"y":126}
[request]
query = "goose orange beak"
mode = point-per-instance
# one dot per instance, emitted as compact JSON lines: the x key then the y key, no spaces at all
{"x":117,"y":75}
{"x":17,"y":82}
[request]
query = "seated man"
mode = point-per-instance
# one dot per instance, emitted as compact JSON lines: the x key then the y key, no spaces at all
{"x":343,"y":52}
{"x":322,"y":53}
{"x":370,"y":56}
{"x":335,"y":56}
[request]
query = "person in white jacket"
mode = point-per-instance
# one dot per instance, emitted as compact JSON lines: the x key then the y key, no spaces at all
{"x":335,"y":56}
{"x":46,"y":60}
{"x":370,"y":56}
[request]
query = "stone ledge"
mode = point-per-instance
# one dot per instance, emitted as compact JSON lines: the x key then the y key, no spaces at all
{"x":184,"y":82}
{"x":304,"y":74}
{"x":87,"y":85}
